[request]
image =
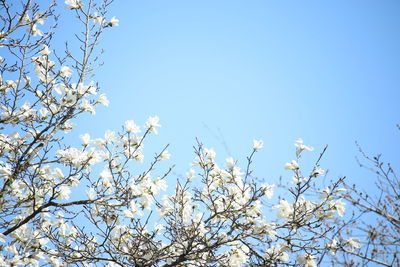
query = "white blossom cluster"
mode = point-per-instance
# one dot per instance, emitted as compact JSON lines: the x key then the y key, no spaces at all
{"x":102,"y":203}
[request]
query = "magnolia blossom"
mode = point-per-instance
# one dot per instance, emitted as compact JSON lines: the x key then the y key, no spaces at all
{"x":279,"y":252}
{"x":268,"y":190}
{"x":85,"y":138}
{"x":354,"y":242}
{"x":190,"y":174}
{"x":65,"y":71}
{"x":73,"y":4}
{"x":91,"y":193}
{"x":133,"y":209}
{"x":285,"y":210}
{"x":152,"y":123}
{"x":317,"y":172}
{"x":210,"y":153}
{"x":103,"y":100}
{"x":113,"y":22}
{"x":339,"y":206}
{"x":86,"y":106}
{"x":5,"y":171}
{"x":292,"y":165}
{"x":166,"y":206}
{"x":107,"y":178}
{"x":165,"y":155}
{"x":35,"y":31}
{"x":109,"y":136}
{"x":43,"y":112}
{"x":230,"y":163}
{"x":64,"y":192}
{"x":307,"y":260}
{"x":132,"y":127}
{"x":300,"y":147}
{"x":98,"y":19}
{"x":325,"y":193}
{"x":158,"y":184}
{"x":237,"y":254}
{"x":45,"y":51}
{"x":84,"y":89}
{"x":257,"y":144}
{"x":298,"y":179}
{"x":332,"y":246}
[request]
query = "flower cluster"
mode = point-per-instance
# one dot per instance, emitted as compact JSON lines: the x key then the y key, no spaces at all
{"x":103,"y":202}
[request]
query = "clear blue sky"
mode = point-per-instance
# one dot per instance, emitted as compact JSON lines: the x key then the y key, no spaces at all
{"x":229,"y":72}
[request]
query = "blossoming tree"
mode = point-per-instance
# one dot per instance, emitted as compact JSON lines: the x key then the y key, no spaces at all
{"x":375,"y":219}
{"x":64,"y":205}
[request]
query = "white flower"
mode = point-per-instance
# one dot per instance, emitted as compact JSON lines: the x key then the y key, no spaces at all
{"x":307,"y":260}
{"x":114,"y":22}
{"x":297,"y":179}
{"x":258,"y":144}
{"x":91,"y":193}
{"x":85,"y":139}
{"x":103,"y":100}
{"x":165,"y":155}
{"x":268,"y":190}
{"x":84,"y":89}
{"x":109,"y":136}
{"x":26,"y":18}
{"x":354,"y":242}
{"x":35,"y":31}
{"x":39,"y":20}
{"x":43,"y":112}
{"x":65,"y":71}
{"x":86,"y":106}
{"x":134,"y":208}
{"x":152,"y":123}
{"x":68,"y":126}
{"x":230,"y":163}
{"x":55,"y":262}
{"x":139,"y":157}
{"x":332,"y":246}
{"x":5,"y":171}
{"x":160,"y":184}
{"x":132,"y":127}
{"x":64,"y":192}
{"x":128,"y":214}
{"x":98,"y":19}
{"x":73,"y":4}
{"x":45,"y":51}
{"x":158,"y":227}
{"x":11,"y":84}
{"x":325,"y":193}
{"x":339,"y":206}
{"x":106,"y":177}
{"x":292,"y":165}
{"x":300,"y":147}
{"x":190,"y":174}
{"x":279,"y":252}
{"x":285,"y":210}
{"x":58,"y":173}
{"x":317,"y":172}
{"x":210,"y":153}
{"x":74,"y":181}
{"x":60,"y":88}
{"x":237,"y":254}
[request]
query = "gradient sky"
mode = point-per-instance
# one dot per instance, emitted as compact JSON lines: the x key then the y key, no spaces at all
{"x":228,"y":72}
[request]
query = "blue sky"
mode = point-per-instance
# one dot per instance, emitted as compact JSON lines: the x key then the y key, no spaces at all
{"x":228,"y":72}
